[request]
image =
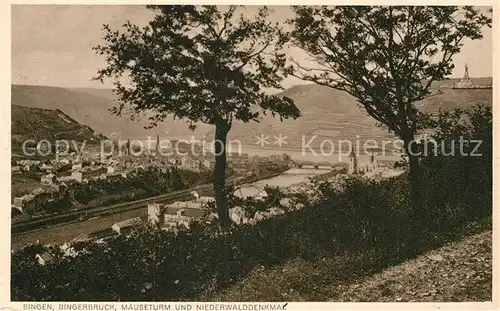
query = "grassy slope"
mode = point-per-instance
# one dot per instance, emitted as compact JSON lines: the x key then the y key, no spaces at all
{"x":91,"y":107}
{"x":459,"y":272}
{"x":47,"y":123}
{"x":38,"y":124}
{"x":464,"y":274}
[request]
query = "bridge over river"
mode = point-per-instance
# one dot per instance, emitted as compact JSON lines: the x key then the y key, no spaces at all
{"x":316,"y":167}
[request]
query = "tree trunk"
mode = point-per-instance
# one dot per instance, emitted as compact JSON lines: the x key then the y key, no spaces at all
{"x":221,"y":203}
{"x":417,"y":211}
{"x":414,"y":182}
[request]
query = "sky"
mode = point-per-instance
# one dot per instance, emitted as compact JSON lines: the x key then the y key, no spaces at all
{"x":52,"y":44}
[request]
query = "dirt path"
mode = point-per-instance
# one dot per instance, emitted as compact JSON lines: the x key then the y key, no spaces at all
{"x":460,"y":271}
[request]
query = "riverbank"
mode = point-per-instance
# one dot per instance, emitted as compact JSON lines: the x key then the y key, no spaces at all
{"x":62,"y":232}
{"x":51,"y":220}
{"x":303,"y":255}
{"x":299,"y":155}
{"x":38,"y":222}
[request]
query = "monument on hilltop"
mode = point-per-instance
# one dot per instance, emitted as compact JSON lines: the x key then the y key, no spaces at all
{"x":465,"y":82}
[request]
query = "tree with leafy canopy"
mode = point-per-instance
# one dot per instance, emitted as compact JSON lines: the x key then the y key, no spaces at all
{"x":387,"y":57}
{"x":203,"y":64}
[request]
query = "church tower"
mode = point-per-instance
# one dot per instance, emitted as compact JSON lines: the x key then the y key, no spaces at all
{"x":157,"y":147}
{"x":353,"y":163}
{"x":372,"y":158}
{"x":372,"y":162}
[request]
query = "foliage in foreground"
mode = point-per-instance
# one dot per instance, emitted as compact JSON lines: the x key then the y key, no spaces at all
{"x":377,"y":55}
{"x":351,"y":218}
{"x":202,"y":64}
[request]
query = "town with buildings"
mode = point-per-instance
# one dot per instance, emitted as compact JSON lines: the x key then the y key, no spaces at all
{"x":62,"y":176}
{"x":180,"y":215}
{"x":103,"y":210}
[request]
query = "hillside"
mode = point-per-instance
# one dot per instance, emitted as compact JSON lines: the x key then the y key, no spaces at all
{"x":333,"y":115}
{"x":91,"y":107}
{"x":38,"y":124}
{"x":456,"y":98}
{"x":459,"y":271}
{"x":449,"y":83}
{"x":327,"y":114}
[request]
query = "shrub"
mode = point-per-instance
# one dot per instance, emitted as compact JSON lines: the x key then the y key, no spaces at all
{"x":157,"y":265}
{"x":346,"y":216}
{"x":458,"y":189}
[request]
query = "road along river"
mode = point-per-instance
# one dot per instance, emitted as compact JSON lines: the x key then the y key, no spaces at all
{"x":59,"y":234}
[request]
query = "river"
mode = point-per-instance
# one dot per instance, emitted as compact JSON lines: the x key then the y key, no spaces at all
{"x":307,"y":156}
{"x":288,"y":178}
{"x":68,"y":231}
{"x":298,"y":154}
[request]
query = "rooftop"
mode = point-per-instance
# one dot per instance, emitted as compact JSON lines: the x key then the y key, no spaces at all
{"x":128,"y":223}
{"x":188,"y":212}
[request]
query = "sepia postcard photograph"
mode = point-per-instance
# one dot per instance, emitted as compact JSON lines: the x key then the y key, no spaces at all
{"x":249,"y":157}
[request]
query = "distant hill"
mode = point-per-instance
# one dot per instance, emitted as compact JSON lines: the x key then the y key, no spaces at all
{"x":49,"y":124}
{"x":106,"y":93}
{"x":449,"y":83}
{"x":456,"y":98}
{"x":334,"y":115}
{"x":326,"y":113}
{"x":91,"y":107}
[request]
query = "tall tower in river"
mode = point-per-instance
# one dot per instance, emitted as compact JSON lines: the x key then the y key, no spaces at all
{"x":353,"y":162}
